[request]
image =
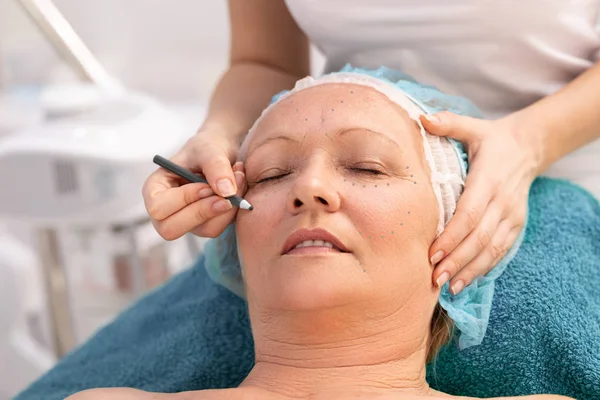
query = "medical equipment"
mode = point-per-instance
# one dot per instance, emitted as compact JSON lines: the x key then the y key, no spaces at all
{"x":23,"y":348}
{"x":75,"y":179}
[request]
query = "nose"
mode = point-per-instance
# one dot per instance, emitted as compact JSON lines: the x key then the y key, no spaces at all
{"x":314,"y":190}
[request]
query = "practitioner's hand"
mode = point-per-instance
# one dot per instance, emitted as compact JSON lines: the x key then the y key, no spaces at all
{"x":503,"y":162}
{"x":177,"y":207}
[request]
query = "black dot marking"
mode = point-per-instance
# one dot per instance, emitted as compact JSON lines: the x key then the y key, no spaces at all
{"x":375,"y":185}
{"x":381,"y":237}
{"x":296,"y":110}
{"x":407,"y":167}
{"x":392,"y":232}
{"x":409,"y":213}
{"x":364,"y":185}
{"x":345,"y":181}
{"x":306,"y":119}
{"x":333,"y":109}
{"x":401,"y":223}
{"x":322,"y":119}
{"x":353,"y":183}
{"x":352,"y":92}
{"x":412,"y":176}
{"x":342,"y":101}
{"x":388,"y":184}
{"x":369,"y":236}
{"x":415,"y":182}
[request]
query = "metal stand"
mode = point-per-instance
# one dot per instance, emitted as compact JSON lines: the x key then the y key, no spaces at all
{"x":55,"y":278}
{"x":138,"y":279}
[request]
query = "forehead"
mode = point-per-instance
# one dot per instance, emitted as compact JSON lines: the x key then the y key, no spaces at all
{"x":333,"y":106}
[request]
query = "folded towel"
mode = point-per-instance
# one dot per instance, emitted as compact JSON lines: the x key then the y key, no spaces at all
{"x":543,"y":335}
{"x":544,"y":332}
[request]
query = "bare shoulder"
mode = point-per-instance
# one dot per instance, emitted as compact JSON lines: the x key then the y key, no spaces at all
{"x":134,"y":394}
{"x":120,"y":394}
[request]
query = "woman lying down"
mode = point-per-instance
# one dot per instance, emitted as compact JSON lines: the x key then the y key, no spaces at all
{"x":349,"y":192}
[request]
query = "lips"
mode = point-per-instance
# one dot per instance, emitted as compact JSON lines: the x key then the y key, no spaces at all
{"x":302,"y":235}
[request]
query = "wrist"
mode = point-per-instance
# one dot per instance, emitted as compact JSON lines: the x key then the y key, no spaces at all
{"x":222,"y":131}
{"x":532,"y":136}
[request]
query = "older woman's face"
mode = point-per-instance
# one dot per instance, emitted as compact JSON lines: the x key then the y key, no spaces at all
{"x":343,"y":166}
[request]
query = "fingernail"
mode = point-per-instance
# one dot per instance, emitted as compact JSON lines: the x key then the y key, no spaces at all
{"x":221,"y":205}
{"x":434,"y":119}
{"x":457,"y":287}
{"x":437,"y":257}
{"x":205,"y":192}
{"x":225,"y":188}
{"x":441,"y":281}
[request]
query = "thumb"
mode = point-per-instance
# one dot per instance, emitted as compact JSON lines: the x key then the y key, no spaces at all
{"x":464,"y":129}
{"x":219,"y":174}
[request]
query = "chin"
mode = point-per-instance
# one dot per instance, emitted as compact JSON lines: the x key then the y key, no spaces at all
{"x":312,"y":283}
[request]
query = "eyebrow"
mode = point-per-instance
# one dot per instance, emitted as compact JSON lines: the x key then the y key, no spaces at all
{"x":372,"y":133}
{"x":341,"y":132}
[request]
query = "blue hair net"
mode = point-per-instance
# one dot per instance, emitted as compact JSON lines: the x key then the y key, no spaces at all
{"x":470,"y":309}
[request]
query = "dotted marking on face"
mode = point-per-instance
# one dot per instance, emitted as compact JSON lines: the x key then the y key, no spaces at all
{"x":392,"y":232}
{"x":305,"y":119}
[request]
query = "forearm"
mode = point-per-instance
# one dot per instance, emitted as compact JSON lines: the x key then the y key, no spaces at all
{"x":564,"y":121}
{"x":268,"y":54}
{"x":241,"y":95}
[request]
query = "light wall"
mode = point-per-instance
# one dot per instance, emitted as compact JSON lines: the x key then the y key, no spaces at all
{"x":174,"y":49}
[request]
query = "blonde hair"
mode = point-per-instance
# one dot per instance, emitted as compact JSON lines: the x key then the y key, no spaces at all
{"x":442,"y":329}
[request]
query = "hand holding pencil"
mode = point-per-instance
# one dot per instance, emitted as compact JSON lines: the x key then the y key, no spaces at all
{"x":176,"y":206}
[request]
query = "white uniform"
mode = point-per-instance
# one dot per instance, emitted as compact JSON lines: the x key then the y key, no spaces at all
{"x":501,"y":54}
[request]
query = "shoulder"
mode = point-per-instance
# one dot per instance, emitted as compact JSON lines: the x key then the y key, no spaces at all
{"x":134,"y":394}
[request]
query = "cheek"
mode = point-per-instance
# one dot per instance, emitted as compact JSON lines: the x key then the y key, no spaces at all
{"x":395,"y":216}
{"x":255,"y":229}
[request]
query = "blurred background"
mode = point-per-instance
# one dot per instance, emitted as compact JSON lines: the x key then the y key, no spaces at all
{"x":76,"y":247}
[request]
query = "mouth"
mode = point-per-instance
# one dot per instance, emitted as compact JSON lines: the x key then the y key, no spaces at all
{"x":311,"y":241}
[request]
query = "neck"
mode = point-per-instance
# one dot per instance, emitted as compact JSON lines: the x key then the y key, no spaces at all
{"x":302,"y":354}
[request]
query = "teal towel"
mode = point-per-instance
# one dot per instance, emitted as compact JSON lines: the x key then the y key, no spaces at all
{"x":543,"y":336}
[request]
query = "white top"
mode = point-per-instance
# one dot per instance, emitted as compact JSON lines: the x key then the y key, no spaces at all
{"x":502,"y":55}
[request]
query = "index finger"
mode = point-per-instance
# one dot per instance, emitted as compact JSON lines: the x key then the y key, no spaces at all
{"x":469,"y":210}
{"x":163,"y":195}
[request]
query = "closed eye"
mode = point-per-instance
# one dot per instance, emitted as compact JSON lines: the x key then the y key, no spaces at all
{"x":369,"y":171}
{"x":272,"y":177}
